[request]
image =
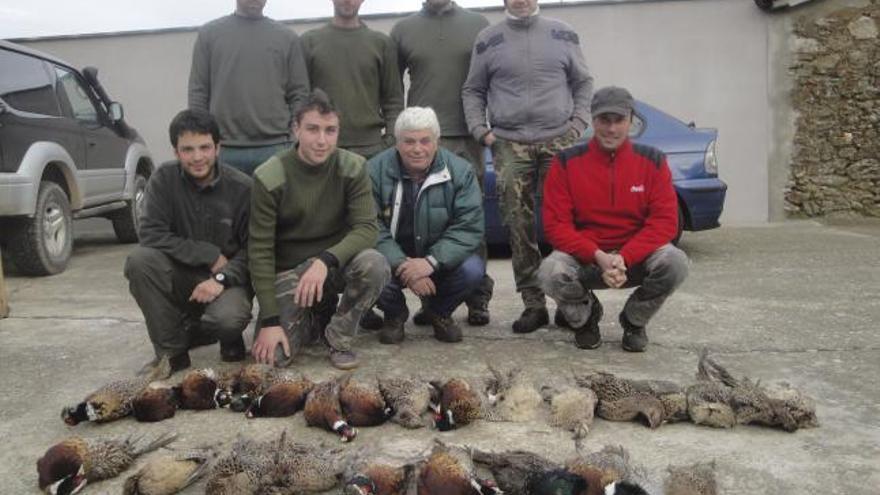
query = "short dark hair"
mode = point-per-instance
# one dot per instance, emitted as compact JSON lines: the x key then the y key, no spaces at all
{"x":317,"y":101}
{"x":194,"y":121}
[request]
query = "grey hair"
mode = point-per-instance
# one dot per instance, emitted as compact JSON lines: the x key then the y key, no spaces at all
{"x":417,"y":119}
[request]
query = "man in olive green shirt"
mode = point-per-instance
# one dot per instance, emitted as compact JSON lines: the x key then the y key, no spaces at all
{"x":434,"y":45}
{"x":357,"y":67}
{"x":312,"y":229}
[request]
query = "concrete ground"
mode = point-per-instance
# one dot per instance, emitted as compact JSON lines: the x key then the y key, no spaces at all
{"x":797,"y":301}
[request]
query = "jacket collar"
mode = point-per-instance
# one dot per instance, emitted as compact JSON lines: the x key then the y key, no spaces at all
{"x":522,"y":22}
{"x":624,"y":148}
{"x":210,"y":185}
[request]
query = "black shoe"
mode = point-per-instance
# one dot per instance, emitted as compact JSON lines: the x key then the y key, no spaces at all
{"x":231,"y":352}
{"x":371,"y":320}
{"x":445,"y":329}
{"x":478,"y":314}
{"x":392,"y":331}
{"x":421,"y":318}
{"x":588,"y":335}
{"x":530,"y":320}
{"x":635,"y":339}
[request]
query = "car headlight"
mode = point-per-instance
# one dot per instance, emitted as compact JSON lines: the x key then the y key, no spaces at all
{"x":710,"y":160}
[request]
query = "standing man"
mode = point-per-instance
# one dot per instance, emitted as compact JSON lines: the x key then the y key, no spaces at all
{"x":430,"y":226}
{"x":249,"y":72}
{"x":434,"y":46}
{"x":189,"y":274}
{"x":610,"y":212}
{"x":357,"y":68}
{"x":528,"y":76}
{"x":313,"y":226}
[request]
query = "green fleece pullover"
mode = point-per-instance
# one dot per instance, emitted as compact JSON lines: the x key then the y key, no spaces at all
{"x":357,"y":68}
{"x":301,"y":211}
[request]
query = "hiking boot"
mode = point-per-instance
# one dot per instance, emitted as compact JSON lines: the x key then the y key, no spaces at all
{"x":344,"y":360}
{"x":421,"y":317}
{"x":445,"y":329}
{"x":392,"y":330}
{"x":371,"y":320}
{"x":478,"y":314}
{"x":588,"y":335}
{"x":234,"y":351}
{"x":635,"y":339}
{"x":531,"y":319}
{"x":177,"y":363}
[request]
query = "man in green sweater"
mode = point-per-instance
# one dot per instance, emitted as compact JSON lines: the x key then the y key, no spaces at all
{"x":357,"y":67}
{"x":312,"y":229}
{"x":435,"y":46}
{"x":249,"y":72}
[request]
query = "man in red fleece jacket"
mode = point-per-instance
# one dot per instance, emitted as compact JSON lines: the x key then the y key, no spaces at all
{"x":610,"y":212}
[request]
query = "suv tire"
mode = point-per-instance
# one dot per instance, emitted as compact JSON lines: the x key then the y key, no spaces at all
{"x":125,"y":221}
{"x":42,"y":244}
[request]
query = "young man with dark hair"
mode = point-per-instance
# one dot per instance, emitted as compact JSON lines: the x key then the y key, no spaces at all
{"x":312,"y":232}
{"x":189,"y":274}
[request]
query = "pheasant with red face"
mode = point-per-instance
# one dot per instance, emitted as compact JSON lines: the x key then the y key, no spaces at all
{"x":202,"y":389}
{"x":68,"y":465}
{"x":281,"y":399}
{"x":362,"y":403}
{"x":323,"y":410}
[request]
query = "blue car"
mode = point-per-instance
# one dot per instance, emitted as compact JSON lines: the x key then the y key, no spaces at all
{"x":690,"y":153}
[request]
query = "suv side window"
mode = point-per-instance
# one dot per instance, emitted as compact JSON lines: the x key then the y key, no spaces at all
{"x":26,"y":84}
{"x":71,"y":89}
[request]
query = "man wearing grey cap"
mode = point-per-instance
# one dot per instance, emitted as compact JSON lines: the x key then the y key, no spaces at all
{"x":610,"y":212}
{"x":528,"y":81}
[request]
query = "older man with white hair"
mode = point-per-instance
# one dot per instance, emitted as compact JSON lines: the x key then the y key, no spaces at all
{"x":430,"y":226}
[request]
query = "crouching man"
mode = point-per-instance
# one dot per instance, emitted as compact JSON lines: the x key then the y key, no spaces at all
{"x":313,"y":226}
{"x":610,"y":213}
{"x":430,"y":226}
{"x":189,"y":275}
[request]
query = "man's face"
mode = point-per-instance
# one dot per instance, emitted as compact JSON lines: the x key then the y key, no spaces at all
{"x":250,"y":8}
{"x":417,"y":150}
{"x":437,"y":5}
{"x":317,"y":135}
{"x":197,"y":154}
{"x":346,"y":9}
{"x":611,"y":130}
{"x":521,"y":8}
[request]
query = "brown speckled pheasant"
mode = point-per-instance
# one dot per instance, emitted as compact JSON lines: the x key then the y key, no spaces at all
{"x":244,"y":470}
{"x":571,"y":408}
{"x":169,"y":474}
{"x":155,"y":403}
{"x":362,"y":403}
{"x":461,"y":403}
{"x":451,"y":471}
{"x":408,"y":398}
{"x":323,"y":410}
{"x":305,"y":468}
{"x":512,"y":395}
{"x":68,"y":465}
{"x":696,"y":479}
{"x":620,"y":400}
{"x":113,"y":401}
{"x":281,"y":399}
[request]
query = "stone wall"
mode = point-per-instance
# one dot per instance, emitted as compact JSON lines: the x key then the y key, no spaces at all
{"x":835,"y":164}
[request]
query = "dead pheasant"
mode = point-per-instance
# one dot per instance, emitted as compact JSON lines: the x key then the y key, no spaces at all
{"x":169,"y":474}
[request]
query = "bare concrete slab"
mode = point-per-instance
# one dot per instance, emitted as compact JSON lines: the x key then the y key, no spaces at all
{"x":797,"y":301}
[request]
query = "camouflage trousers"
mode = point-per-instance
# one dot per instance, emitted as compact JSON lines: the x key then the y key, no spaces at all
{"x":569,"y":283}
{"x":469,"y":149}
{"x":360,"y":282}
{"x":520,"y":169}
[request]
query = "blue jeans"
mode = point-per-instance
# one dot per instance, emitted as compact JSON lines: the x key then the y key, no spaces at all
{"x":248,"y":158}
{"x":453,"y":287}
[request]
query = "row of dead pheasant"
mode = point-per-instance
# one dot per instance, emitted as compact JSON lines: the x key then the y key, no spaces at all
{"x":341,"y":404}
{"x":280,"y":466}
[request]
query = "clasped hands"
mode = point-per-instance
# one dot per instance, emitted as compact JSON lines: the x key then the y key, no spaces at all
{"x":415,"y":274}
{"x":613,"y":268}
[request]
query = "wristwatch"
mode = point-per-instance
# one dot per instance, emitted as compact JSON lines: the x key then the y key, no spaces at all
{"x":220,"y":278}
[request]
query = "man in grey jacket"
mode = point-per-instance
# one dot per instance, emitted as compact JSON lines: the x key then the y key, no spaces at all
{"x":249,"y":72}
{"x":528,"y":75}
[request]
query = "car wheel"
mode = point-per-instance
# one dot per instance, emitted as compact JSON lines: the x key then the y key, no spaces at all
{"x":42,"y":245}
{"x":766,"y":5}
{"x":681,"y":221}
{"x":125,"y":221}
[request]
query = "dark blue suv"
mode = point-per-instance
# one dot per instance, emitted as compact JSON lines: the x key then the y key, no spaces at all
{"x":692,"y":158}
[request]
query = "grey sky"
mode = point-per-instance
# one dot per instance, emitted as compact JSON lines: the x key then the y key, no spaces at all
{"x":56,"y":17}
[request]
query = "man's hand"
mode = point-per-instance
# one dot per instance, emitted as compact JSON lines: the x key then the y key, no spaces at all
{"x":219,"y":264}
{"x":489,"y":139}
{"x":206,"y":291}
{"x":264,"y":346}
{"x":613,"y":268}
{"x":614,"y":278}
{"x":413,"y":269}
{"x":310,"y":289}
{"x":423,"y":287}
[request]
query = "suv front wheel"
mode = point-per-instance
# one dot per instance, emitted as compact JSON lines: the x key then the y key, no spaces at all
{"x":125,"y":221}
{"x":42,"y":244}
